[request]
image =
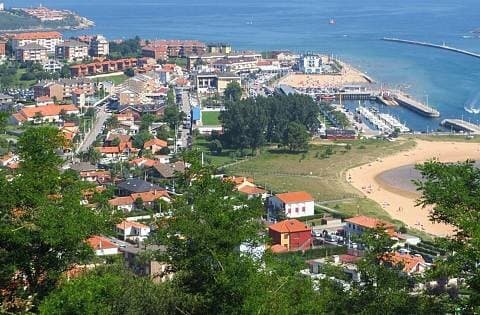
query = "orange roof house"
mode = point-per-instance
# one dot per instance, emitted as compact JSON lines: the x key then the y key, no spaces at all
{"x":291,"y":234}
{"x":155,"y":145}
{"x":410,"y":263}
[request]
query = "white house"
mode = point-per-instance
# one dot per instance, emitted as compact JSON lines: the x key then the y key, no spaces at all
{"x":124,"y":204}
{"x":311,"y":63}
{"x":293,"y":204}
{"x":134,"y":231}
{"x":102,"y":246}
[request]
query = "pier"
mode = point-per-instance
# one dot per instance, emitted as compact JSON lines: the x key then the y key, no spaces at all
{"x":410,"y":103}
{"x":461,"y":125}
{"x":444,"y":47}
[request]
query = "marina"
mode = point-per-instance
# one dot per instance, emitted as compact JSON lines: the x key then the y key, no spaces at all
{"x":383,"y":122}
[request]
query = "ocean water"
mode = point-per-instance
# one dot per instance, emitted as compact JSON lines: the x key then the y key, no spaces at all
{"x":448,"y":79}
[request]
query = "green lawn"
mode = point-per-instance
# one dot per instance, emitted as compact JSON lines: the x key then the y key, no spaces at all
{"x":116,"y":79}
{"x":210,"y":118}
{"x":323,"y":177}
{"x":201,"y":144}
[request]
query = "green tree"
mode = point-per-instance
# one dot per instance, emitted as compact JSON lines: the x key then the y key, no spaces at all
{"x":233,"y":92}
{"x":129,"y":72}
{"x":296,"y":137}
{"x":171,"y":99}
{"x":92,"y":155}
{"x":112,"y":122}
{"x":215,"y":146}
{"x":44,"y":225}
{"x":140,"y":138}
{"x":173,"y":116}
{"x":3,"y":121}
{"x":453,"y":190}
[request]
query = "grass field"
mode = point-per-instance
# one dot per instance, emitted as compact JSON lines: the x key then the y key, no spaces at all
{"x":116,"y":79}
{"x":210,"y":118}
{"x":201,"y":144}
{"x":323,"y":177}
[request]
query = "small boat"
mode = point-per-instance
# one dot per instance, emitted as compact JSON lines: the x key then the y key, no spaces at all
{"x":332,"y":22}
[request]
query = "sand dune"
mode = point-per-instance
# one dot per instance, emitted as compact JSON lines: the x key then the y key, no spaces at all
{"x":401,"y":204}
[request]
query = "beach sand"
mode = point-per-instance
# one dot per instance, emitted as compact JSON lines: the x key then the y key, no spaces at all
{"x":401,"y":204}
{"x":349,"y":75}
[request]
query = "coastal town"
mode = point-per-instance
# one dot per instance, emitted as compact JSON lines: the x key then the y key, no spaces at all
{"x":161,"y":131}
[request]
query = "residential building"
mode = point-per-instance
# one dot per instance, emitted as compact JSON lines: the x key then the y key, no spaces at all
{"x":156,"y":52}
{"x":312,"y":63}
{"x":45,"y":39}
{"x":194,"y":60}
{"x":247,"y":187}
{"x":3,"y":50}
{"x":167,"y":171}
{"x":359,"y":224}
{"x":206,"y":83}
{"x":180,"y":48}
{"x":292,"y":205}
{"x":32,"y":52}
{"x":236,"y":65}
{"x":154,"y":145}
{"x":63,"y":88}
{"x":102,"y":246}
{"x":102,"y":67}
{"x":411,"y":264}
{"x":291,"y":234}
{"x":71,"y":50}
{"x":43,"y":114}
{"x":125,"y":204}
{"x":135,"y":185}
{"x":52,"y":65}
{"x":99,"y":46}
{"x":131,"y":230}
{"x":347,"y":263}
{"x":219,"y":48}
{"x":135,"y":260}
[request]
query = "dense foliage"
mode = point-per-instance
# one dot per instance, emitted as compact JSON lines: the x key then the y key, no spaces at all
{"x":44,"y":225}
{"x":127,"y":48}
{"x":252,"y":122}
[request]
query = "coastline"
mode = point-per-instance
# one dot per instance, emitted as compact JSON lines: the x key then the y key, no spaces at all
{"x":400,"y":204}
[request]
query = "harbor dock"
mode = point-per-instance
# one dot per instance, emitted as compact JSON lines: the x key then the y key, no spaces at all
{"x":444,"y":47}
{"x":461,"y":125}
{"x":416,"y":106}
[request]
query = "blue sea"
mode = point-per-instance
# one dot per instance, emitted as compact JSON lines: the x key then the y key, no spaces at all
{"x":448,"y":79}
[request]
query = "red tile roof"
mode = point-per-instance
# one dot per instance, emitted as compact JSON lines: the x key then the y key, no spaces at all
{"x":368,"y":222}
{"x":46,"y":111}
{"x":289,"y":226}
{"x":155,"y":141}
{"x":121,"y":201}
{"x":127,"y":224}
{"x":409,"y":262}
{"x":99,"y":242}
{"x":294,"y":197}
{"x":251,"y":190}
{"x":36,"y":35}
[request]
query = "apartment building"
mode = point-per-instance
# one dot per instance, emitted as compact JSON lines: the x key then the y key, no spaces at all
{"x":45,"y":39}
{"x":71,"y":50}
{"x":99,"y":46}
{"x":32,"y":52}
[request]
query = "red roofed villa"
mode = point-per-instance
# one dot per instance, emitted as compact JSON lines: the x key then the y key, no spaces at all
{"x":359,"y":224}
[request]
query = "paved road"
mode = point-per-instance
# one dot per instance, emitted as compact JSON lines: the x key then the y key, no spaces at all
{"x":183,"y":133}
{"x":92,"y":135}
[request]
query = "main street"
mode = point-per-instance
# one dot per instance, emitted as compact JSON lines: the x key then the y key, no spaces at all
{"x":100,"y":118}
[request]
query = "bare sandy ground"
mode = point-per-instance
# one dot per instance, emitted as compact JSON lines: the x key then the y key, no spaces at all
{"x":401,"y":204}
{"x":349,"y":75}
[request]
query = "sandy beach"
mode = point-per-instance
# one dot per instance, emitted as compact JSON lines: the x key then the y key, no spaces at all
{"x":348,"y":75}
{"x":401,"y":204}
